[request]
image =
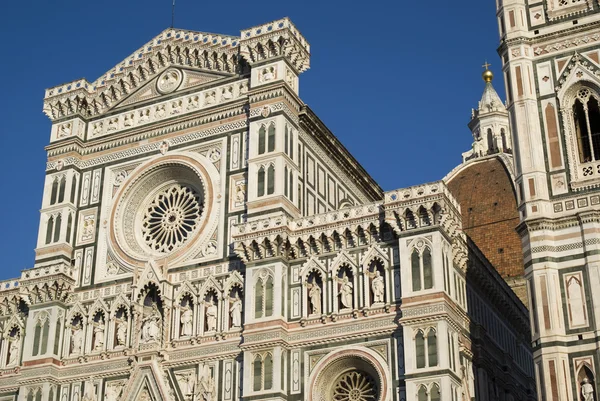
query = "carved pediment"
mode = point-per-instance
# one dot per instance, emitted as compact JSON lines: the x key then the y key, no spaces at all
{"x":171,"y":80}
{"x":146,"y":384}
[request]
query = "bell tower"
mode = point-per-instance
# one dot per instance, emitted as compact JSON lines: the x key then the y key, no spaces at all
{"x":551,"y":65}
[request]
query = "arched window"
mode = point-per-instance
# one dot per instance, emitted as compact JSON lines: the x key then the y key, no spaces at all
{"x":262,"y":371}
{"x":416,"y":270}
{"x":38,"y":396}
{"x":61,"y":190}
{"x":259,"y":291}
{"x":422,"y":394}
{"x":285,"y":181}
{"x":36,"y":339}
{"x":57,"y":228}
{"x":432,"y":348}
{"x":257,"y":373}
{"x":261,"y":140}
{"x":271,"y":138}
{"x":586,"y":115}
{"x":49,"y":228}
{"x":261,"y":182}
{"x":54,"y":192}
{"x":263,"y":298}
{"x":268,"y":372}
{"x":69,"y":225}
{"x":291,"y":145}
{"x":435,"y":393}
{"x":490,"y":141}
{"x":291,"y":185}
{"x":73,"y":188}
{"x":271,"y":180}
{"x":427,"y":269}
{"x":286,"y":140}
{"x":269,"y":297}
{"x":420,"y":350}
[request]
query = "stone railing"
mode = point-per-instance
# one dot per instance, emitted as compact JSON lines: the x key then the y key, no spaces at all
{"x":418,"y":192}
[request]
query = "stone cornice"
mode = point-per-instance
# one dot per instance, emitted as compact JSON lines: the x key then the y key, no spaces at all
{"x":424,"y":206}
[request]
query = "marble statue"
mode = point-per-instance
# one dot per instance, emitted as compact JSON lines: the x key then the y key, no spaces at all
{"x":377,"y":286}
{"x":314,"y":294}
{"x":211,"y":315}
{"x":99,"y":334}
{"x":15,"y":345}
{"x":151,"y":325}
{"x":77,"y":339}
{"x":121,"y":329}
{"x":186,"y":319}
{"x":587,"y":390}
{"x":345,"y":291}
{"x":236,"y":311}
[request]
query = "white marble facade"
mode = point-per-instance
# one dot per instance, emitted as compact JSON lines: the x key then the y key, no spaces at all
{"x":198,"y":241}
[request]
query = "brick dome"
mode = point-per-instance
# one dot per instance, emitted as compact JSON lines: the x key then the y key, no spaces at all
{"x":488,"y":204}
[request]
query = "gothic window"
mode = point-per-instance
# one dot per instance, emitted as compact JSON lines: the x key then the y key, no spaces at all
{"x":291,"y":174}
{"x":73,"y":188}
{"x":261,"y":140}
{"x":286,"y":184}
{"x":49,"y":228}
{"x":435,"y":393}
{"x":286,"y":140}
{"x":262,"y":370}
{"x":420,"y":349}
{"x":261,"y":181}
{"x":586,"y":115}
{"x":61,"y":190}
{"x":57,"y":225}
{"x":426,"y":348}
{"x":271,"y":180}
{"x":271,"y":138}
{"x":416,"y":270}
{"x":490,"y":141}
{"x":263,"y":297}
{"x":422,"y":394}
{"x":54,"y":192}
{"x":422,"y":270}
{"x":69,"y":227}
{"x":432,"y":348}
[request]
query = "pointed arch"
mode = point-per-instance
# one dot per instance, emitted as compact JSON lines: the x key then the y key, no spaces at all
{"x":271,"y":138}
{"x":57,"y":224}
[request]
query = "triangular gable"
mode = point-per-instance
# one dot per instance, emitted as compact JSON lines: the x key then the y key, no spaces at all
{"x":341,"y":259}
{"x":209,"y":283}
{"x":120,"y":301}
{"x":146,"y":383}
{"x":186,"y":288}
{"x":235,"y":279}
{"x":578,"y":70}
{"x":311,"y":265}
{"x":76,"y":309}
{"x":374,"y":252}
{"x":149,"y":91}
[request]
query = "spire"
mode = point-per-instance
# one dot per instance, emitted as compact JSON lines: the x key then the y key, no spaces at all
{"x":489,"y":122}
{"x":490,"y":101}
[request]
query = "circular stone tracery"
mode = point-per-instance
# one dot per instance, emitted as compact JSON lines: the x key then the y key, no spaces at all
{"x":171,"y":218}
{"x":354,"y":386}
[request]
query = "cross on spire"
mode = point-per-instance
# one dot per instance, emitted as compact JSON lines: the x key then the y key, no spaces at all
{"x":486,"y":65}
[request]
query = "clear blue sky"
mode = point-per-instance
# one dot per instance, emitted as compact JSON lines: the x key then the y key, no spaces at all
{"x":395,"y":81}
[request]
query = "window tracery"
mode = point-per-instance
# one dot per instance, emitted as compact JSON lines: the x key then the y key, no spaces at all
{"x":263,"y":296}
{"x":426,"y":349}
{"x":265,"y":180}
{"x":262,"y":370}
{"x":421,"y":269}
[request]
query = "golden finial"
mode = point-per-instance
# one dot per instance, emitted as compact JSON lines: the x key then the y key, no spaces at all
{"x":487,"y":75}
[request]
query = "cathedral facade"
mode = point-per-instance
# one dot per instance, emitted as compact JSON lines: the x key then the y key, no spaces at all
{"x":204,"y":236}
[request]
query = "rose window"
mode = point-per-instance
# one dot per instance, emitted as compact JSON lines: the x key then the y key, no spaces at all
{"x":171,"y":218}
{"x":354,"y":386}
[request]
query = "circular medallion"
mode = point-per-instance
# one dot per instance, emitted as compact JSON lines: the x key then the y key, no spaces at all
{"x":169,"y":81}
